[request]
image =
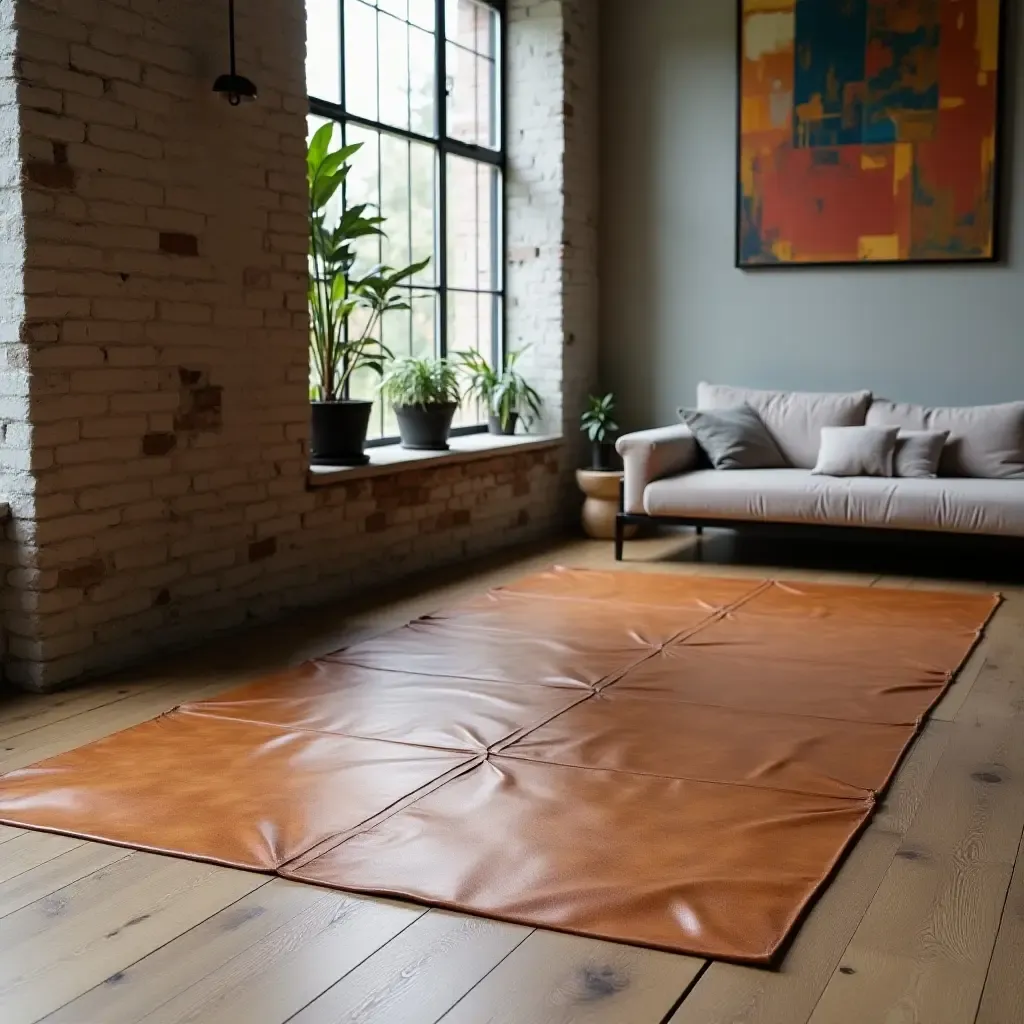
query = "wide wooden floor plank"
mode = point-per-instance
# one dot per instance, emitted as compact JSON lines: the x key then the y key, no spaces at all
{"x":31,"y":849}
{"x":217,"y":969}
{"x":62,"y":945}
{"x":7,"y":833}
{"x":1002,"y":1000}
{"x":924,"y":946}
{"x":35,"y":711}
{"x":419,"y":974}
{"x":286,"y":969}
{"x":953,"y":699}
{"x":564,"y":979}
{"x":53,"y":875}
{"x":899,"y":805}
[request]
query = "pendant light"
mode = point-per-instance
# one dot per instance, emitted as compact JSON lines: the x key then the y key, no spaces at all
{"x":233,"y":86}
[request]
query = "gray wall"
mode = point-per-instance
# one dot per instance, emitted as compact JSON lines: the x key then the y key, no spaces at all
{"x":675,"y":310}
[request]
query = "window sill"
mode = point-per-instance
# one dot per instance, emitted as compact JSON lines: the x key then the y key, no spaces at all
{"x":391,"y":459}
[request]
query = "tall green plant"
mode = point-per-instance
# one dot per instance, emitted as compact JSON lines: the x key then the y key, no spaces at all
{"x":335,"y":293}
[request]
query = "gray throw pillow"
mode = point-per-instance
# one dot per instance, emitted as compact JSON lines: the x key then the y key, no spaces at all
{"x":856,"y":451}
{"x":918,"y":453}
{"x":734,"y":438}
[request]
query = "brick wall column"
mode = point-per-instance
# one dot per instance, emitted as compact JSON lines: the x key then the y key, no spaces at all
{"x":154,"y":328}
{"x":552,"y":208}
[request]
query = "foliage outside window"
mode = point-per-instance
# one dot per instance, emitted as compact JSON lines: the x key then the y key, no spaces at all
{"x":418,"y":83}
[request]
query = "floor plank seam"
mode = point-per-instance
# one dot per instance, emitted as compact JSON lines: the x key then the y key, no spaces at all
{"x":480,"y":980}
{"x":674,"y":1009}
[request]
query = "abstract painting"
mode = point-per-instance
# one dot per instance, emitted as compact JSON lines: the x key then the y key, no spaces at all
{"x":868,"y":131}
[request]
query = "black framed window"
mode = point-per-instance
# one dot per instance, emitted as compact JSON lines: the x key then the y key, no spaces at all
{"x":420,"y":84}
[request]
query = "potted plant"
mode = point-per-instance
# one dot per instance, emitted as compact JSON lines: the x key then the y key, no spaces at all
{"x":597,"y":423}
{"x":337,"y":350}
{"x":505,"y":394}
{"x":425,"y":395}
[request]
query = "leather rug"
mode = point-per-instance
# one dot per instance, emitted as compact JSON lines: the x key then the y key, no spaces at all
{"x":675,"y":762}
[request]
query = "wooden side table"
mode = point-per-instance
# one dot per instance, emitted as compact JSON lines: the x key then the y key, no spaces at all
{"x":602,"y":503}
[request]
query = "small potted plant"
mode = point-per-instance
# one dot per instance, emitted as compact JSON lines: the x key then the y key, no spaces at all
{"x":597,"y":423}
{"x":505,"y":394}
{"x":338,"y":351}
{"x":425,"y":395}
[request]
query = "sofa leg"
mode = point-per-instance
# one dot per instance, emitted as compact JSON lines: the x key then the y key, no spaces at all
{"x":620,"y":536}
{"x":700,"y":531}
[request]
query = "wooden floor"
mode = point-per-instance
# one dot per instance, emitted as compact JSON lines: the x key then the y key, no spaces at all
{"x":924,"y":924}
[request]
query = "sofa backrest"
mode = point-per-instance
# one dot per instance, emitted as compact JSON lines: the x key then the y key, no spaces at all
{"x":984,"y":440}
{"x":793,"y":418}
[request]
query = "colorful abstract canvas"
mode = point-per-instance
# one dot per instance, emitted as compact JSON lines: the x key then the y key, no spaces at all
{"x":868,"y":131}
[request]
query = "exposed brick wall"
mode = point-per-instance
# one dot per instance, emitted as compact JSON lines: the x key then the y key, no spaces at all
{"x":156,"y":415}
{"x":552,"y":277}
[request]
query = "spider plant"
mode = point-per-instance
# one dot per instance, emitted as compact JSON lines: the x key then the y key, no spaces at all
{"x":504,"y":392}
{"x":425,"y":396}
{"x":421,"y":382}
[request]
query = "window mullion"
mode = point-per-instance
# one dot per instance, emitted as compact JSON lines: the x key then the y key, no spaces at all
{"x":441,"y":106}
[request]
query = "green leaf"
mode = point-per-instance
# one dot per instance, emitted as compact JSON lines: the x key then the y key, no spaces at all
{"x":318,"y":146}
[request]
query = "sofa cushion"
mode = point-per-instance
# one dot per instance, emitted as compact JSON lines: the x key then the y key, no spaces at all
{"x":733,"y":438}
{"x":793,"y":418}
{"x":984,"y":440}
{"x":918,"y":453}
{"x":856,"y":451}
{"x":973,"y":506}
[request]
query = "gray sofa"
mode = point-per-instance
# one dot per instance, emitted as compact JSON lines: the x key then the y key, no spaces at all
{"x":979,"y":490}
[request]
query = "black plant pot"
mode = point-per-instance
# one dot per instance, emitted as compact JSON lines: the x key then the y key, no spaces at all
{"x":338,"y":433}
{"x":494,"y":425}
{"x":603,"y":456}
{"x":424,"y":428}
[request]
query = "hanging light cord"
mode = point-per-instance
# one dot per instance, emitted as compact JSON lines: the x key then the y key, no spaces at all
{"x":234,"y":99}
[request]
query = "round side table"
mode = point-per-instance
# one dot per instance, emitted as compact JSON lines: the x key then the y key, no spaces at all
{"x":602,"y":503}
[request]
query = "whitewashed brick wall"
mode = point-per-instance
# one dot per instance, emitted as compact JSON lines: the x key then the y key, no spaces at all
{"x":552,"y":208}
{"x":154,"y":332}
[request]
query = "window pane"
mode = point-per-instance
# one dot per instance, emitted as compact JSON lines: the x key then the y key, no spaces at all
{"x":473,"y":224}
{"x":363,"y":186}
{"x":361,"y":59}
{"x":421,"y":12}
{"x":423,"y":167}
{"x":424,"y":324}
{"x":393,"y":62}
{"x":395,"y":200}
{"x":422,"y":82}
{"x":399,"y":8}
{"x":323,"y":50}
{"x":471,"y":56}
{"x":463,"y":334}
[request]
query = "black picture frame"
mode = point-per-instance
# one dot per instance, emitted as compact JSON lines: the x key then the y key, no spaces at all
{"x":999,"y":227}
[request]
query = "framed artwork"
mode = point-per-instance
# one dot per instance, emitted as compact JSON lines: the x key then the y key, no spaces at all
{"x":869,"y":131}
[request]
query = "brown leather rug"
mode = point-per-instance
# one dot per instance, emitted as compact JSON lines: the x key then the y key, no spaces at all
{"x":678,"y":762}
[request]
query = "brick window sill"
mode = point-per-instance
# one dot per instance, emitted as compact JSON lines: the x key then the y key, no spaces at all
{"x":391,"y":459}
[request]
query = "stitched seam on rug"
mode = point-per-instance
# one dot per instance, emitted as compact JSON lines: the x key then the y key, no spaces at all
{"x":332,"y":842}
{"x":866,"y":795}
{"x":602,"y":684}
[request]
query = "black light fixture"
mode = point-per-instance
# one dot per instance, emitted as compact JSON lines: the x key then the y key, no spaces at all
{"x":233,"y":86}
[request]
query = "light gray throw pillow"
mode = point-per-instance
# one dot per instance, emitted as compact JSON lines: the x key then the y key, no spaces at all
{"x":856,"y":451}
{"x":734,"y":438}
{"x":985,"y":441}
{"x":918,"y":453}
